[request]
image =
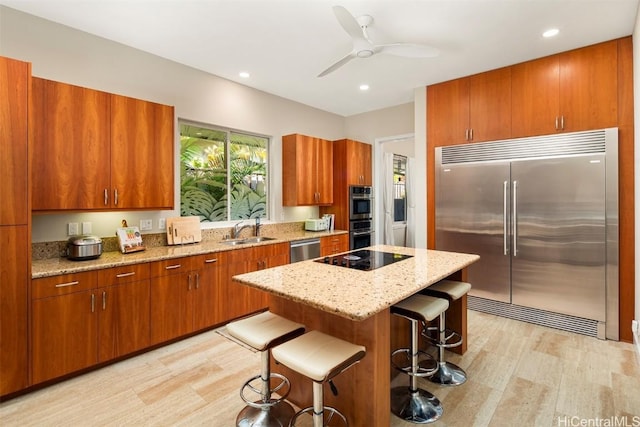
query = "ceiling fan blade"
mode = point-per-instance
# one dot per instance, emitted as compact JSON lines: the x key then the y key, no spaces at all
{"x":338,"y":64}
{"x":348,"y":22}
{"x":408,"y":50}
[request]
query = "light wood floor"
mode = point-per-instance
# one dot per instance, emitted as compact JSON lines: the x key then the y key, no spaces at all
{"x":519,"y":375}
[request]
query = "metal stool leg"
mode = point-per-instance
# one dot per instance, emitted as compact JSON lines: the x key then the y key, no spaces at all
{"x":265,"y":412}
{"x":448,"y":373}
{"x":414,"y":404}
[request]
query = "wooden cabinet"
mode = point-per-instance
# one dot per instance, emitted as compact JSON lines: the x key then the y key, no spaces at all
{"x":331,"y":245}
{"x":100,"y":151}
{"x":15,"y":223}
{"x":64,"y":325}
{"x":210,"y":270}
{"x":15,"y":78}
{"x":470,"y":109}
{"x":352,"y":166}
{"x":171,"y":282}
{"x":307,"y":171}
{"x":142,"y":152}
{"x":123,"y":310}
{"x":571,"y":91}
{"x":239,"y":300}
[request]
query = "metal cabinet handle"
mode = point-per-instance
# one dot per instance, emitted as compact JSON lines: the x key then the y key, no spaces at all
{"x":121,"y":275}
{"x":504,"y":217}
{"x":515,"y":218}
{"x":104,"y":300}
{"x":172,"y":267}
{"x":93,"y":303}
{"x":62,"y":285}
{"x":197,"y":281}
{"x":471,"y":134}
{"x":115,"y":196}
{"x":189,"y":282}
{"x":209,"y":261}
{"x":466,"y":134}
{"x":106,"y":197}
{"x":562,"y":122}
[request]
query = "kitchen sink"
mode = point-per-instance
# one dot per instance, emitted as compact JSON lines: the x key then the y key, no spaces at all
{"x":258,"y":239}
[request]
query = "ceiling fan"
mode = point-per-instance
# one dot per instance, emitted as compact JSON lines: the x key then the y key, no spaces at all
{"x":363,"y":47}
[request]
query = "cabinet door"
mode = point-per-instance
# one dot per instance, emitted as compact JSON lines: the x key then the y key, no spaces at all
{"x":170,"y":299}
{"x":535,"y":97}
{"x":490,"y":105}
{"x":589,"y":87}
{"x":324,"y":171}
{"x":234,"y":296}
{"x":123,"y":323}
{"x":142,"y":147}
{"x":448,"y":112}
{"x":73,"y":154}
{"x":211,"y":270}
{"x":14,"y":84}
{"x":64,"y":335}
{"x":358,"y":163}
{"x":14,"y":279}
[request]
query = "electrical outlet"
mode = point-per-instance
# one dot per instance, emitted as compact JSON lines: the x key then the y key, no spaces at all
{"x":72,"y":229}
{"x":86,"y":228}
{"x":146,"y":224}
{"x":162,"y":223}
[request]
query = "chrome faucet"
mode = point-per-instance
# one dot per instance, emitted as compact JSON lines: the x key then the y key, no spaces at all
{"x":238,"y":228}
{"x":257,"y":232}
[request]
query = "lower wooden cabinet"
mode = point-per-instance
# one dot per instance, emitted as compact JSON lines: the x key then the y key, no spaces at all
{"x":331,"y":245}
{"x":210,"y":270}
{"x":64,"y":325}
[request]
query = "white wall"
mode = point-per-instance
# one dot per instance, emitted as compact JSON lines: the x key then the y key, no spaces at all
{"x":60,"y":53}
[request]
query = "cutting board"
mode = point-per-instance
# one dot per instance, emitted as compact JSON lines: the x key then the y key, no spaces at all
{"x":183,"y":230}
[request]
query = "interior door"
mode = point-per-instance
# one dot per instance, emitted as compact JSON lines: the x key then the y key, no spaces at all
{"x":559,"y":240}
{"x":472,"y":216}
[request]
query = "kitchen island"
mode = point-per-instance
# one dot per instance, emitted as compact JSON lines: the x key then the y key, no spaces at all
{"x":353,"y":304}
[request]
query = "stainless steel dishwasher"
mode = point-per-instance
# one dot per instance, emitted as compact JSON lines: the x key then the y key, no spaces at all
{"x":304,"y":249}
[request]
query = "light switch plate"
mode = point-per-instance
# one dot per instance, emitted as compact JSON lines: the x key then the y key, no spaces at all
{"x":162,"y":223}
{"x":72,"y":229}
{"x":146,"y":224}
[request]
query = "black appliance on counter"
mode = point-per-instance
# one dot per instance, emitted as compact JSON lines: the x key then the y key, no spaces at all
{"x":365,"y":260}
{"x":361,"y":234}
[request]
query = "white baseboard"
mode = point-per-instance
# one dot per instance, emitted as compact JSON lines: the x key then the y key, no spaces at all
{"x":636,"y":340}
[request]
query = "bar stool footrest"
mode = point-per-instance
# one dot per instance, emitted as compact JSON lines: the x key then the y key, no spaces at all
{"x":427,"y":365}
{"x":429,"y":331}
{"x":328,"y":414}
{"x":260,"y":404}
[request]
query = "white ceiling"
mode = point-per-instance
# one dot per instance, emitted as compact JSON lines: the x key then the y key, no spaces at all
{"x":285,"y":44}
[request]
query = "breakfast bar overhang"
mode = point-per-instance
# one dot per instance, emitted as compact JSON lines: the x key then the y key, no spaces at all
{"x":353,"y":305}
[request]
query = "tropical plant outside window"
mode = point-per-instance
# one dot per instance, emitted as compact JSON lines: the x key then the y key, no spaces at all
{"x":223,"y":173}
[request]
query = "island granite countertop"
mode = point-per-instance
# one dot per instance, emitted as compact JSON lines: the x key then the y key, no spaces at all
{"x":356,"y":294}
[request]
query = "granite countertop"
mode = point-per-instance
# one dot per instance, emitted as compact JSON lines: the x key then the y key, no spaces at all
{"x":357,"y":294}
{"x":60,"y":265}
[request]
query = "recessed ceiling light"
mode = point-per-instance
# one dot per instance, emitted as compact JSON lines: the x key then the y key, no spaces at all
{"x":244,"y":74}
{"x":364,"y":87}
{"x":551,"y":32}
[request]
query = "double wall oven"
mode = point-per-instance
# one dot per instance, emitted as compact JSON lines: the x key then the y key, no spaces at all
{"x":360,"y":217}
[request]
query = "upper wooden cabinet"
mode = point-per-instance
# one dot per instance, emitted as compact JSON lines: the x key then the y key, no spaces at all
{"x":568,"y":92}
{"x":351,"y":163}
{"x":307,"y":171}
{"x":471,"y":109}
{"x":15,"y":78}
{"x":98,"y":151}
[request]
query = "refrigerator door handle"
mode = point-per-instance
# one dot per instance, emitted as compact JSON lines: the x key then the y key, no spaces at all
{"x":505,"y":234}
{"x":515,"y":218}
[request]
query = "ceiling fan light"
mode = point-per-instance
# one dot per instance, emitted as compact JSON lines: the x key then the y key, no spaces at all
{"x":364,"y":53}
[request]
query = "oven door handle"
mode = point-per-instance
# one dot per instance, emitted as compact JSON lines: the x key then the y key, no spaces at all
{"x":361,"y":233}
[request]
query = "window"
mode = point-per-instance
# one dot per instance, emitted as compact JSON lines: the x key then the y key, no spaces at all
{"x":223,"y":173}
{"x":399,"y":191}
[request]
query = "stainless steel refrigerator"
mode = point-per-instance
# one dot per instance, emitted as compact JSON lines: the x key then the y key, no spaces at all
{"x":542,"y":214}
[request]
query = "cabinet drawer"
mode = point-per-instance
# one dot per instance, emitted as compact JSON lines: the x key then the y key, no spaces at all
{"x":63,"y":284}
{"x":170,"y":266}
{"x":124,"y":274}
{"x":209,"y":260}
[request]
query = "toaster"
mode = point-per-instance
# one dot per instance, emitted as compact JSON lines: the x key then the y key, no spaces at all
{"x":316,"y":224}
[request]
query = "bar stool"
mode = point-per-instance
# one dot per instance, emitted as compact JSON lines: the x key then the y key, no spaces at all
{"x":319,"y":357}
{"x":447,"y":373}
{"x":262,"y":332}
{"x":414,"y":404}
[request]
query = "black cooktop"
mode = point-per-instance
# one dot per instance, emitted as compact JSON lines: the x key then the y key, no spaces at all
{"x":364,"y":259}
